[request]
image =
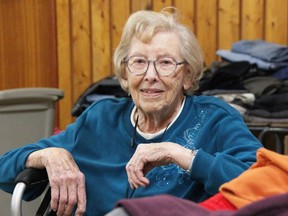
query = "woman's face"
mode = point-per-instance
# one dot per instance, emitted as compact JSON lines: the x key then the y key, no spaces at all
{"x":151,"y":92}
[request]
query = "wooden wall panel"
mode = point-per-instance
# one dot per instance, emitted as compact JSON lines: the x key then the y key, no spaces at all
{"x":252,"y":25}
{"x":158,"y":5}
{"x":276,"y":19}
{"x":119,"y":15}
{"x":187,"y":10}
{"x":81,"y":46}
{"x":229,"y":21}
{"x":140,"y":5}
{"x":206,"y":20}
{"x":28,"y":44}
{"x":101,"y":46}
{"x":70,"y":43}
{"x":64,"y":61}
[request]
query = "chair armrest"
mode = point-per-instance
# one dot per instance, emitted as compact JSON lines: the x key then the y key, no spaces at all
{"x":24,"y":179}
{"x":32,"y":176}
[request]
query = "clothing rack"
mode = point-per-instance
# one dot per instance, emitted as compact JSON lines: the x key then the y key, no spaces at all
{"x":278,"y":130}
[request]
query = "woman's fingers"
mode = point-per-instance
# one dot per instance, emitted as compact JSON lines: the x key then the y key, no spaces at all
{"x":132,"y":178}
{"x":135,"y":169}
{"x":81,"y":195}
{"x":65,"y":195}
{"x":145,"y":158}
{"x":63,"y":200}
{"x":54,"y":197}
{"x":66,"y":180}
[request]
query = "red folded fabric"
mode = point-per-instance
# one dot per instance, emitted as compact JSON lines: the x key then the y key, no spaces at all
{"x":217,"y":202}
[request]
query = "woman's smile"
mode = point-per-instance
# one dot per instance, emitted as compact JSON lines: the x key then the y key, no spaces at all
{"x":151,"y":92}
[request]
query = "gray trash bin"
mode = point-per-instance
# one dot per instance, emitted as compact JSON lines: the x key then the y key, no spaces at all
{"x":26,"y":115}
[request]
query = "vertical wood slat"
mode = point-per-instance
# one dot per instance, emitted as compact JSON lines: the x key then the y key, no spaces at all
{"x":229,"y":21}
{"x":187,"y":12}
{"x":64,"y":61}
{"x":119,"y":15}
{"x":252,"y":20}
{"x":101,"y":46}
{"x":276,"y":19}
{"x":81,"y":47}
{"x":141,"y":5}
{"x":206,"y":28}
{"x":158,"y":5}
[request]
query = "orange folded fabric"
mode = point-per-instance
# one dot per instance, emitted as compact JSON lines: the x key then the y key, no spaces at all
{"x":268,"y":176}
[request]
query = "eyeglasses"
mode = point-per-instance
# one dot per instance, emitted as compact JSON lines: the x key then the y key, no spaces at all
{"x":164,"y":66}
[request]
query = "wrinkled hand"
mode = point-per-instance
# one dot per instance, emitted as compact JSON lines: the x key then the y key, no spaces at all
{"x":148,"y":156}
{"x":66,"y":180}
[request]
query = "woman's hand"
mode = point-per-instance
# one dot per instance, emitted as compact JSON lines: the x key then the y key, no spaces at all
{"x":66,"y":180}
{"x":148,"y":156}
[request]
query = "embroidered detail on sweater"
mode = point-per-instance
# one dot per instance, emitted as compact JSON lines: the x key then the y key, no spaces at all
{"x":166,"y":174}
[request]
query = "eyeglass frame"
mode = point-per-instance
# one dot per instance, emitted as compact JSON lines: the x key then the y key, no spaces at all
{"x":125,"y":61}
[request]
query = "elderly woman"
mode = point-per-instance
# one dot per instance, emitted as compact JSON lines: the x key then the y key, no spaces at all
{"x":162,"y":139}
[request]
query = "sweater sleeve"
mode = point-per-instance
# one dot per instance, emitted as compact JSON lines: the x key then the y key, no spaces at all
{"x":236,"y":149}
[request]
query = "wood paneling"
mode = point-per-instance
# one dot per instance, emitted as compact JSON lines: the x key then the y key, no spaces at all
{"x":27,"y":44}
{"x":81,"y":46}
{"x":187,"y":11}
{"x":252,"y":19}
{"x":229,"y":19}
{"x":206,"y":27}
{"x":70,"y":43}
{"x":140,"y":5}
{"x":64,"y":60}
{"x":276,"y":21}
{"x":101,"y":50}
{"x":119,"y":14}
{"x":158,"y":5}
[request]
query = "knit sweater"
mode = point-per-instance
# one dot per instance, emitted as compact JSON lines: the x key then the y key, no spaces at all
{"x":100,"y":142}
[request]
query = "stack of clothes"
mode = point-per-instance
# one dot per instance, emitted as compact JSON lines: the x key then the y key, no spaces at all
{"x":253,"y":78}
{"x":267,"y":56}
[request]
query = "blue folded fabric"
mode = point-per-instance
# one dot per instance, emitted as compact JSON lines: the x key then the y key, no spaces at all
{"x":281,"y":74}
{"x":269,"y":52}
{"x":235,"y":57}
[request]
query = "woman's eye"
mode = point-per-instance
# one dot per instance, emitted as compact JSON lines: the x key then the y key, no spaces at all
{"x":166,"y":62}
{"x":139,"y":61}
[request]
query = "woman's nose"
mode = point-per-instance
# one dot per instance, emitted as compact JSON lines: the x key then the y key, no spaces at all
{"x":151,"y":71}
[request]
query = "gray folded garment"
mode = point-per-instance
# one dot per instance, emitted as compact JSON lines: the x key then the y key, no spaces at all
{"x":262,"y":85}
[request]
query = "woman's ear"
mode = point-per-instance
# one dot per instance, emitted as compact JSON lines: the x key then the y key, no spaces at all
{"x":124,"y":80}
{"x":188,"y":82}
